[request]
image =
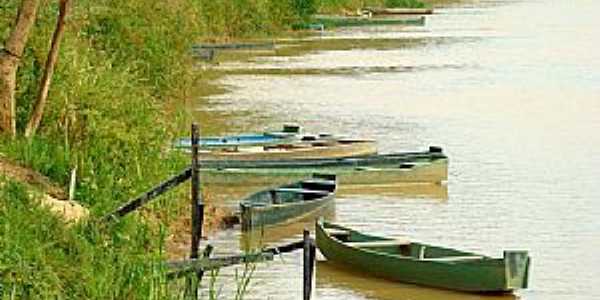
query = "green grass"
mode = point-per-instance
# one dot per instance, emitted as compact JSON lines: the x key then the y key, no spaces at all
{"x":41,"y":257}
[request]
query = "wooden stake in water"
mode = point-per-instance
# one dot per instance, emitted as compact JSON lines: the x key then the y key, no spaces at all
{"x":197,"y":205}
{"x":308,"y":265}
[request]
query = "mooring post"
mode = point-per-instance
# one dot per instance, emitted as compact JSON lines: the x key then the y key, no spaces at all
{"x":308,"y":265}
{"x":197,"y":211}
{"x":197,"y":215}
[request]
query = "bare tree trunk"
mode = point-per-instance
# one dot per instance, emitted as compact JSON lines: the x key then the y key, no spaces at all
{"x":40,"y":103}
{"x":10,"y":57}
{"x":8,"y":74}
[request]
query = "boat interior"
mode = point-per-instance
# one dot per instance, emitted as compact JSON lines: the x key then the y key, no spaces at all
{"x":400,"y":247}
{"x":321,"y":185}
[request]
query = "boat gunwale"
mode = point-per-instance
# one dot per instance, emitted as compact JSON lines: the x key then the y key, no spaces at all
{"x":416,"y":165}
{"x":251,"y":210}
{"x":246,"y":201}
{"x":401,"y":157}
{"x":483,"y":258}
{"x":329,"y":196}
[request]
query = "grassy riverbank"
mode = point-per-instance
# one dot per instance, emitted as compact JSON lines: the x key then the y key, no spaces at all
{"x":121,"y":91}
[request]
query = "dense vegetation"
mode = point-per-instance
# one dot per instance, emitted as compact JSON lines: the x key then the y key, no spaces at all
{"x":120,"y":91}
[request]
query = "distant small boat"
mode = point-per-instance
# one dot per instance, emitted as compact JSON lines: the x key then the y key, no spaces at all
{"x":288,"y":202}
{"x":397,"y":11}
{"x":286,"y":136}
{"x":329,"y":21}
{"x":279,"y":145}
{"x":417,"y":263}
{"x":405,"y":167}
{"x":241,"y":140}
{"x":236,"y":46}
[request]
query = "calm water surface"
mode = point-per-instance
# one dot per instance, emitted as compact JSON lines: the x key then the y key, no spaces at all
{"x":510,"y":89}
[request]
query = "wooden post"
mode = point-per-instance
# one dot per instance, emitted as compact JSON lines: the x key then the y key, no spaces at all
{"x":308,"y":265}
{"x":197,"y":212}
{"x":197,"y":207}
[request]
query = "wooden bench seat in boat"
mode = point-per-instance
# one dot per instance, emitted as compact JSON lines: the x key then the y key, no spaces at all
{"x":374,"y":244}
{"x":319,"y":181}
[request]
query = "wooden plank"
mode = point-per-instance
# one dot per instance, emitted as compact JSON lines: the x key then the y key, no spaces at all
{"x":285,"y":248}
{"x":182,"y":267}
{"x":144,"y":198}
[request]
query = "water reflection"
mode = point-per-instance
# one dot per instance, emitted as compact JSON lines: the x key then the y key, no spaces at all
{"x":331,"y":277}
{"x":277,"y":234}
{"x":438,"y":192}
{"x":230,"y":195}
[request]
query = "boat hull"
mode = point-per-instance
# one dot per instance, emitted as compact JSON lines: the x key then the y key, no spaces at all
{"x":246,"y":140}
{"x":257,"y":217}
{"x":286,"y":203}
{"x":426,"y":172}
{"x":482,"y":275}
{"x":293,"y":151}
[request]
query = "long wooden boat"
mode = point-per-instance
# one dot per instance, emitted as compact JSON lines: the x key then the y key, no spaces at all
{"x":417,"y":263}
{"x":397,"y":11}
{"x":410,"y":167}
{"x":304,"y":149}
{"x":288,"y":202}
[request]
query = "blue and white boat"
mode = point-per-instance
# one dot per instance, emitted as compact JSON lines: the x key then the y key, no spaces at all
{"x":286,"y":136}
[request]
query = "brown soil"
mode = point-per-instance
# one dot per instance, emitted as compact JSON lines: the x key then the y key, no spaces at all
{"x":179,"y":241}
{"x":53,"y":196}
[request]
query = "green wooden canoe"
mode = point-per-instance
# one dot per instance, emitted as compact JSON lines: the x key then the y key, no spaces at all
{"x":287,"y":202}
{"x":417,"y":263}
{"x":410,"y":167}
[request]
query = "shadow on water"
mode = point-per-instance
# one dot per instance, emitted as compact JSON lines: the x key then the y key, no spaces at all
{"x":437,"y":192}
{"x":271,"y":235}
{"x":229,"y":196}
{"x":334,"y":277}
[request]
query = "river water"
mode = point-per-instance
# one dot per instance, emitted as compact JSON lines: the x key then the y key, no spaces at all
{"x":510,"y":89}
